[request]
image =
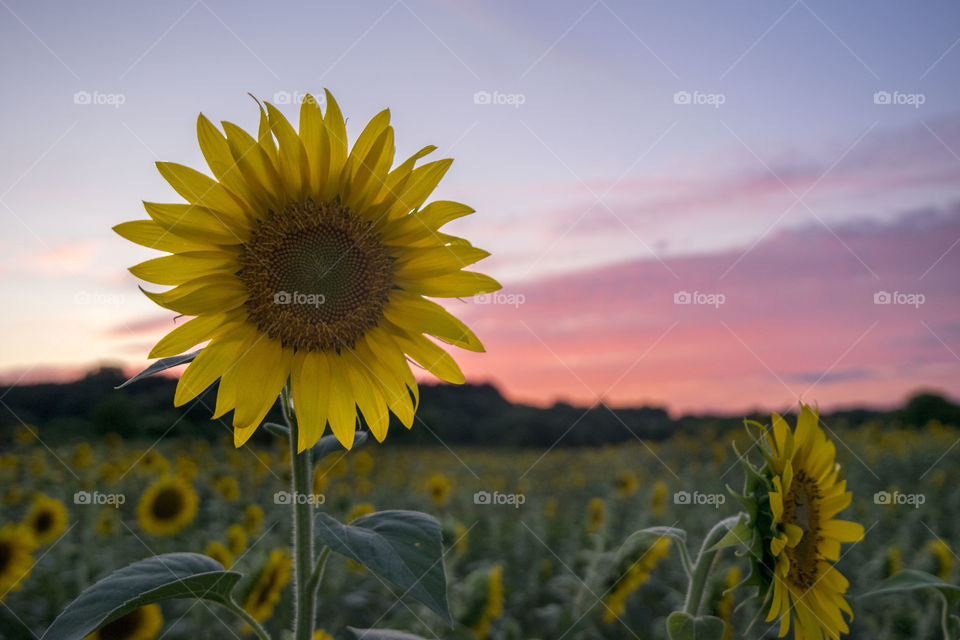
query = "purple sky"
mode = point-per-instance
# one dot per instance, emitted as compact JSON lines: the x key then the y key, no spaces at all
{"x":786,"y":183}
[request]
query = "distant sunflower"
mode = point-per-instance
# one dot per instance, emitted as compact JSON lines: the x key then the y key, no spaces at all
{"x":219,"y":552}
{"x":167,"y":506}
{"x":439,"y":487}
{"x":302,"y":261}
{"x":596,"y":514}
{"x":359,"y":510}
{"x":47,"y":519}
{"x":16,"y":557}
{"x":265,"y":593}
{"x":236,"y":538}
{"x":634,"y":577}
{"x":143,"y":623}
{"x":493,"y":604}
{"x":805,"y":540}
{"x":252,"y":519}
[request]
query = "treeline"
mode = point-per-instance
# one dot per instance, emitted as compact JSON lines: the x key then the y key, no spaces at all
{"x":468,"y":414}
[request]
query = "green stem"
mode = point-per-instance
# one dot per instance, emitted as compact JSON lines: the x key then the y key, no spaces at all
{"x":302,"y":528}
{"x":318,"y":573}
{"x":701,"y":570}
{"x":249,"y":619}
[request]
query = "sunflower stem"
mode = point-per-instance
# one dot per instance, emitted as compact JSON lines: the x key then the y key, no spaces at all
{"x":304,"y":590}
{"x":249,"y":619}
{"x":702,"y":567}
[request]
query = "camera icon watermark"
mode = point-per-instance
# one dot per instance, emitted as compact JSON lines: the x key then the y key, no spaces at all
{"x":697,"y":499}
{"x":697,"y":297}
{"x":899,"y":98}
{"x":309,"y":299}
{"x":914,"y":500}
{"x":515,"y":100}
{"x":95,"y":498}
{"x":98,"y":98}
{"x":899,"y":298}
{"x":715,"y":100}
{"x":288,"y":498}
{"x":497,"y":498}
{"x":498,"y":297}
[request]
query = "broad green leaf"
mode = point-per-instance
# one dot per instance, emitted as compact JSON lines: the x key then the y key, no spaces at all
{"x":683,"y":626}
{"x":739,"y":533}
{"x":162,"y":365}
{"x":911,"y":580}
{"x":382,"y":634}
{"x":165,"y":577}
{"x":404,"y":547}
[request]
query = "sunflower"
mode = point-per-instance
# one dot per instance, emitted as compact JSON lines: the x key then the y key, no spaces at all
{"x":167,"y":506}
{"x":265,"y":593}
{"x":252,"y":519}
{"x":805,"y":494}
{"x":219,"y":552}
{"x":438,"y":485}
{"x":493,"y":605}
{"x":228,"y":488}
{"x":942,"y":557}
{"x":658,"y":501}
{"x":143,"y":623}
{"x":236,"y":538}
{"x":596,"y":514}
{"x":359,"y":510}
{"x":634,"y":577}
{"x":626,"y":483}
{"x":16,"y":557}
{"x":302,"y":262}
{"x":47,"y":518}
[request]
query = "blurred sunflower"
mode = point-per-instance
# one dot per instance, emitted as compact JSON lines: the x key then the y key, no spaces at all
{"x":493,"y":605}
{"x":47,"y":518}
{"x":265,"y":592}
{"x":236,"y":538}
{"x":252,"y":519}
{"x":626,"y":483}
{"x":942,"y":557}
{"x":228,"y":488}
{"x":359,"y":510}
{"x":143,"y":623}
{"x":804,"y":537}
{"x":438,"y":485}
{"x":658,"y":501}
{"x":634,"y":577}
{"x":16,"y":557}
{"x":167,"y":506}
{"x":726,"y":602}
{"x":893,"y":562}
{"x":302,"y":261}
{"x":596,"y":514}
{"x":320,"y":634}
{"x":219,"y":552}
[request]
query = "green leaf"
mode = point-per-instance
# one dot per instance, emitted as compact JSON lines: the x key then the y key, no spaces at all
{"x":739,"y":533}
{"x":683,"y":626}
{"x":382,"y":634}
{"x":164,"y":577}
{"x":162,"y":365}
{"x":405,"y":547}
{"x":911,"y":580}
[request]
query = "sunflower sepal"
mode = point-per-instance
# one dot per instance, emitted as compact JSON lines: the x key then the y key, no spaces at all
{"x":740,"y":533}
{"x":161,"y":365}
{"x":164,"y":577}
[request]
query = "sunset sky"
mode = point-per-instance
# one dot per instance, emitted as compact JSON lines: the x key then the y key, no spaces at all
{"x":791,"y":166}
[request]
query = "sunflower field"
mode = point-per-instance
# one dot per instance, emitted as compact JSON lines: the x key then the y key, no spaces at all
{"x":534,"y":540}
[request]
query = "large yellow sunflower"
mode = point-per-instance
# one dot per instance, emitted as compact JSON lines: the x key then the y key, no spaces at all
{"x":807,"y":495}
{"x":16,"y":557}
{"x":47,"y":518}
{"x":302,"y":261}
{"x":167,"y":506}
{"x":143,"y":623}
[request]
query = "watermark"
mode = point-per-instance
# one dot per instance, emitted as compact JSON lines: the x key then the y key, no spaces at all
{"x":285,"y":497}
{"x":899,"y":297}
{"x":498,"y":297}
{"x":699,"y":98}
{"x":311,"y":299}
{"x":294,"y":97}
{"x":497,"y":98}
{"x":98,"y":298}
{"x":896,"y":498}
{"x":899,"y":98}
{"x":696,"y":498}
{"x":497,"y":498}
{"x":697,"y":297}
{"x":96,"y":498}
{"x":98,"y":98}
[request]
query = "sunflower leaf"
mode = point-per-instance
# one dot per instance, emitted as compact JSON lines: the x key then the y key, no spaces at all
{"x":683,"y":626}
{"x":405,"y":547}
{"x":329,"y":444}
{"x":162,"y":365}
{"x":382,"y":634}
{"x":165,"y":577}
{"x":911,"y":580}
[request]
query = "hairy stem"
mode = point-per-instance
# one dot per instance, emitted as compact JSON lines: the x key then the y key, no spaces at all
{"x":701,"y":570}
{"x":302,"y":528}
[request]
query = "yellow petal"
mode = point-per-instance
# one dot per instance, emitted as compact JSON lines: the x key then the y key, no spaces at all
{"x":255,"y":165}
{"x":460,"y":284}
{"x":188,"y":335}
{"x":215,"y":294}
{"x":292,"y":158}
{"x":198,"y":224}
{"x":216,"y":152}
{"x":418,"y":187}
{"x":337,"y":137}
{"x":310,"y":387}
{"x":342,"y":408}
{"x":436,"y":261}
{"x":180,"y":267}
{"x":264,"y":369}
{"x":148,"y":233}
{"x":196,"y":188}
{"x":431,"y":357}
{"x":316,"y":143}
{"x":416,"y":314}
{"x":216,"y":358}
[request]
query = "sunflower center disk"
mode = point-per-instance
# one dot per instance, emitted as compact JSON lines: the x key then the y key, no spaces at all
{"x":168,"y":504}
{"x":802,"y":508}
{"x":318,"y":276}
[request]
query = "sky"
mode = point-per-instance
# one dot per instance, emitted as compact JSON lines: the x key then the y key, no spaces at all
{"x":705,"y":206}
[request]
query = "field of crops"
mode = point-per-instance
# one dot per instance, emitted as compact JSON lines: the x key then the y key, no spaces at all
{"x":532,"y":537}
